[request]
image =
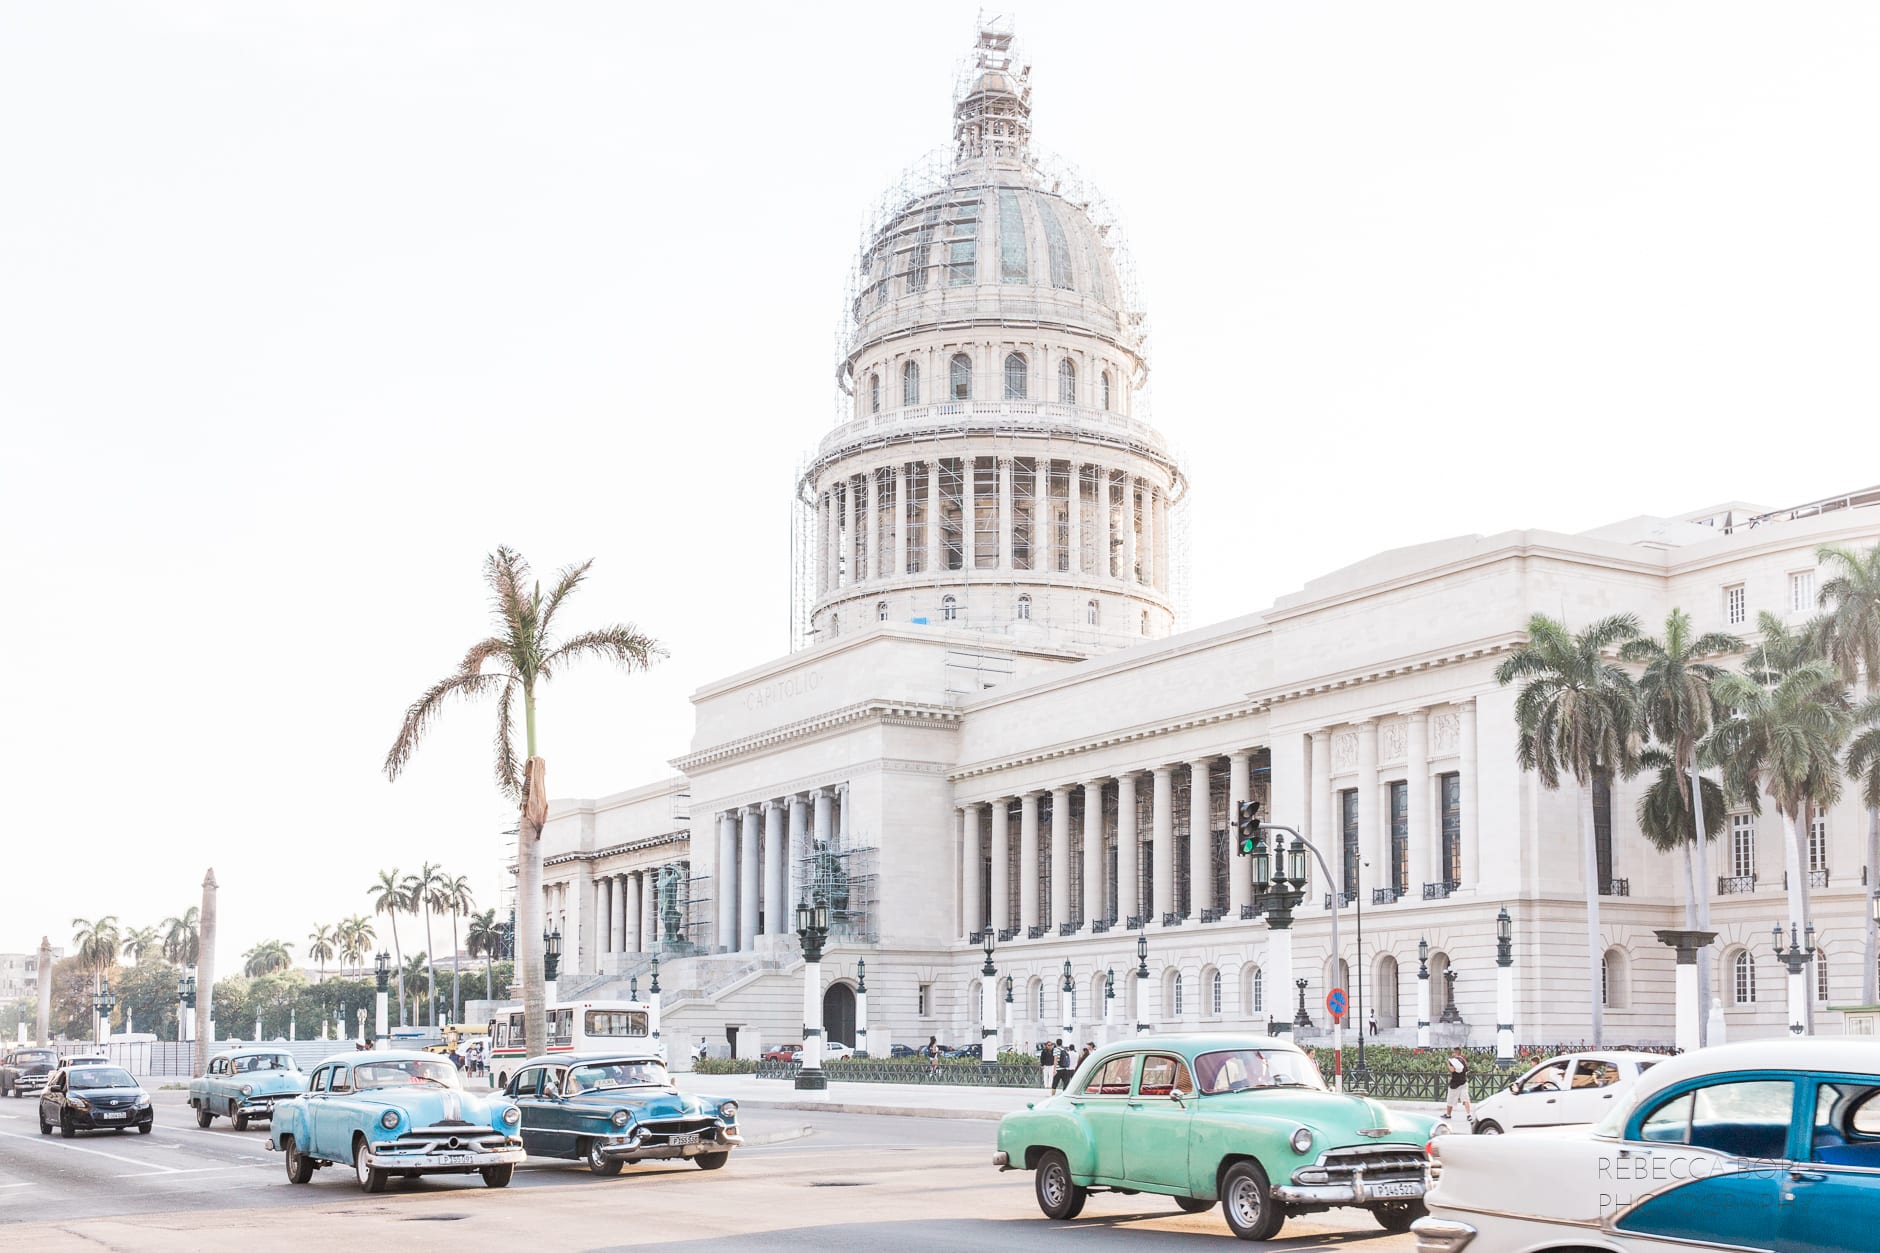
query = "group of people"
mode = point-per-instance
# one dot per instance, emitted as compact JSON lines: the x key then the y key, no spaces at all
{"x":1059,"y":1061}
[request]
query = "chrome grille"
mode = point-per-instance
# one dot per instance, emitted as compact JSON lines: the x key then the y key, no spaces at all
{"x":658,"y":1131}
{"x":455,"y":1137}
{"x":1386,"y":1163}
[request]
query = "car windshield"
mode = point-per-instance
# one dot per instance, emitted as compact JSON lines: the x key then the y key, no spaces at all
{"x":265,"y":1061}
{"x":35,"y":1057}
{"x":629,"y":1073}
{"x":102,"y":1077}
{"x":406,"y":1072}
{"x":1236,"y":1070}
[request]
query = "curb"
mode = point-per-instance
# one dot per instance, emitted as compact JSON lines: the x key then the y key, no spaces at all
{"x":892,"y":1111}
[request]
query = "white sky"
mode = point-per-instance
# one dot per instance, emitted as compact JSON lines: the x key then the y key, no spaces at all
{"x":305,"y":307}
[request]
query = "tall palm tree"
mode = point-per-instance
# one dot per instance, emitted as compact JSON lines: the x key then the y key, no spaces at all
{"x":97,"y":944}
{"x":1576,"y":714}
{"x":421,"y":890}
{"x":138,"y":942}
{"x":520,"y":655}
{"x":414,"y":972}
{"x":389,"y":899}
{"x":1668,"y":821}
{"x":267,"y":957}
{"x":182,"y":938}
{"x":1677,"y":708}
{"x":321,"y":946}
{"x":1849,"y":633}
{"x":456,"y":896}
{"x":485,"y":936}
{"x":355,"y":940}
{"x":1790,"y":716}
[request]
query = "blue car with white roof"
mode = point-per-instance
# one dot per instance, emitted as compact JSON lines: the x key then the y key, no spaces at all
{"x":244,"y":1085}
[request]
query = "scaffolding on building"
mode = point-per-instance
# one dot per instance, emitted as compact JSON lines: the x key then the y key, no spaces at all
{"x":846,"y":879}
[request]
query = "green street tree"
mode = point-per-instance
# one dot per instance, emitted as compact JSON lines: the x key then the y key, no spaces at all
{"x":182,"y":938}
{"x":485,"y":938}
{"x":388,"y":898}
{"x":456,"y":896}
{"x":1849,"y":634}
{"x":421,"y":890}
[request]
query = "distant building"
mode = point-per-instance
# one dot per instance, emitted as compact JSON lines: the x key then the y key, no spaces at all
{"x":19,"y":974}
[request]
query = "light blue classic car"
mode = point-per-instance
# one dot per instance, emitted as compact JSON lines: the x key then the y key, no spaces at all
{"x":243,"y":1085}
{"x":609,"y":1109}
{"x":396,"y":1113}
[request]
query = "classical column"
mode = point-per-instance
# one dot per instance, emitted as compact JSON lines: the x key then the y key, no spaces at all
{"x":845,"y":830}
{"x":1324,"y":816}
{"x":1103,"y":520}
{"x":1161,"y":542}
{"x":603,"y":915}
{"x":1465,"y":750}
{"x":1239,"y":874}
{"x":825,"y":803}
{"x":1200,"y":840}
{"x":1028,"y":861}
{"x":1077,"y":517}
{"x":633,"y":912}
{"x":899,"y":566}
{"x":1162,"y":862}
{"x":969,"y":513}
{"x":1370,"y":829}
{"x":871,"y":529}
{"x":1417,"y":770}
{"x":1129,"y":528}
{"x":727,"y":873}
{"x":931,"y":566}
{"x":748,"y":868}
{"x":1060,"y":857}
{"x":1128,"y":875}
{"x":969,"y":870}
{"x":1005,"y":513}
{"x":1149,"y":572}
{"x":777,"y":914}
{"x":792,"y":853}
{"x":1001,"y":876}
{"x":1093,"y":854}
{"x":649,"y":903}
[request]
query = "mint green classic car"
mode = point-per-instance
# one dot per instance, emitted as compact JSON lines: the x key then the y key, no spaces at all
{"x":244,"y":1086}
{"x":1245,"y":1121}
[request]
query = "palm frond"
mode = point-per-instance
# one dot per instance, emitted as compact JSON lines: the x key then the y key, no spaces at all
{"x":565,"y":583}
{"x":624,"y":645}
{"x":425,"y":711}
{"x":508,"y":765}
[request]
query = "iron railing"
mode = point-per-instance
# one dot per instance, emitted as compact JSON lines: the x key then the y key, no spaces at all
{"x":1816,"y":878}
{"x":1736,"y":884}
{"x":1616,"y":887}
{"x":1249,"y":912}
{"x":1440,"y":890}
{"x":1385,"y":896}
{"x":1344,"y":898}
{"x":855,"y":1070}
{"x":1214,"y":914}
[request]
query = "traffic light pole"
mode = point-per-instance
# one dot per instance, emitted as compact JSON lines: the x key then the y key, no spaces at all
{"x":1249,"y":827}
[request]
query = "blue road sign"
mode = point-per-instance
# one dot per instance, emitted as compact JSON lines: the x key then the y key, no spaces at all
{"x":1335,"y":1002}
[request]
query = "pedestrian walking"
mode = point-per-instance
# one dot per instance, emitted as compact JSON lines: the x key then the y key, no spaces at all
{"x":1458,"y":1085}
{"x":1066,"y":1064}
{"x":1373,"y":1022}
{"x":1047,"y":1062}
{"x":933,"y":1056}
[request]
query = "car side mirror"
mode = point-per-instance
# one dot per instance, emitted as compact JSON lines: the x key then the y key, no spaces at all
{"x":1175,"y":1095}
{"x":552,"y":1092}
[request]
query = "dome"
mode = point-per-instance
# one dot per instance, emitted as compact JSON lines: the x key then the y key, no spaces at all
{"x":994,"y":83}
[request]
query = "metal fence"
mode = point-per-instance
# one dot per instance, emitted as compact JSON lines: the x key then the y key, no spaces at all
{"x":974,"y":1075}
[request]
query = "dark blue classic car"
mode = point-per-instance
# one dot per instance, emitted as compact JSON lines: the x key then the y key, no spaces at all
{"x":608,"y":1109}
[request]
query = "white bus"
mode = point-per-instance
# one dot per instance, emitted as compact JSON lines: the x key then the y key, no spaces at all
{"x":573,"y":1027}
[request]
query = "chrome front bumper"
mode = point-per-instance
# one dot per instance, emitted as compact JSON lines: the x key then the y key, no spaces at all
{"x":259,"y":1106}
{"x":1002,"y":1160}
{"x":1359,"y":1191}
{"x":449,"y":1159}
{"x":1440,"y":1235}
{"x":631,"y":1150}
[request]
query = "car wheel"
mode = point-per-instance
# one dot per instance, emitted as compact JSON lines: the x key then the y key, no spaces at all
{"x":66,"y":1128}
{"x":203,"y":1116}
{"x":1488,"y":1127}
{"x":1058,"y":1196}
{"x":144,"y":1129}
{"x":241,"y":1122}
{"x":45,"y":1128}
{"x":299,"y":1165}
{"x":502,"y":1080}
{"x":712,"y":1161}
{"x":599,"y":1162}
{"x":1247,"y":1202}
{"x":1398,"y":1215}
{"x":498,"y":1176}
{"x":370,"y":1178}
{"x":1194,"y":1204}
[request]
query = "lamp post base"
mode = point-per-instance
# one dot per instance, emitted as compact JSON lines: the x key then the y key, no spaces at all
{"x":811,"y":1081}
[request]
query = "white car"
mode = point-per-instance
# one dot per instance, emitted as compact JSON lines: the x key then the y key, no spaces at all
{"x":1562,"y":1091}
{"x":834,"y":1050}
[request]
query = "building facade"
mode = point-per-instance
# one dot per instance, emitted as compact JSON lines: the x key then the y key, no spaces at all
{"x":993,"y":726}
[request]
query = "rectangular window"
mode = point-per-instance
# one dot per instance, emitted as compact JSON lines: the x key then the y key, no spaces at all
{"x":1802,"y":591}
{"x":1743,"y":844}
{"x":1348,"y":824}
{"x":1012,"y":267}
{"x":923,"y":1006}
{"x":1055,"y":244}
{"x":1602,"y":828}
{"x":1818,"y":843}
{"x":1400,"y":836}
{"x":1449,"y":787}
{"x":1735,"y":605}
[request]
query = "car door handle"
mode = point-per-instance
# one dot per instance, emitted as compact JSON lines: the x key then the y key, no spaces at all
{"x":1808,"y":1176}
{"x":1606,"y":1097}
{"x":1135,"y":1104}
{"x":1635,"y":1152}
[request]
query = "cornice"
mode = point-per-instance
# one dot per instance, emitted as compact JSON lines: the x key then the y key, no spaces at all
{"x":1128,"y":735}
{"x":612,"y":850}
{"x":878,"y":712}
{"x":1489,"y":646}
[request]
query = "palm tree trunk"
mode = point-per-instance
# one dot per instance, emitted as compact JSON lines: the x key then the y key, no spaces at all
{"x":205,"y":974}
{"x":398,"y":957}
{"x":1798,"y":901}
{"x":430,"y":966}
{"x":1690,"y":888}
{"x":456,"y":987}
{"x":1870,"y":977}
{"x":1590,"y":866}
{"x":1703,"y":904}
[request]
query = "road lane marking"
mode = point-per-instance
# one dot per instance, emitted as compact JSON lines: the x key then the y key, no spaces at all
{"x":198,"y":1170}
{"x":27,"y":1184}
{"x":59,"y":1144}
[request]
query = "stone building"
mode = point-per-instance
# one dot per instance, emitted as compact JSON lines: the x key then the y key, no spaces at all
{"x":992,"y":723}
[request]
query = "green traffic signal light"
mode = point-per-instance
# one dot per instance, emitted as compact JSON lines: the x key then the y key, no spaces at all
{"x":1247,"y":824}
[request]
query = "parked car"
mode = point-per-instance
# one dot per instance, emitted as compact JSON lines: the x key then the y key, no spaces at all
{"x":93,"y":1098}
{"x":608,"y":1109}
{"x":1242,"y":1120}
{"x":395,"y":1113}
{"x":244,"y":1086}
{"x":86,"y":1059}
{"x":835,"y":1050}
{"x":782,"y":1053}
{"x":24,"y":1072}
{"x":902,"y":1050}
{"x":1773,"y":1144}
{"x":1572,"y":1088}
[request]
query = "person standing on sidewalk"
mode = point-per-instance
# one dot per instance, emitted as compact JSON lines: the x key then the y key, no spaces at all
{"x":1458,"y":1085}
{"x":1066,"y":1063}
{"x":1047,"y":1061}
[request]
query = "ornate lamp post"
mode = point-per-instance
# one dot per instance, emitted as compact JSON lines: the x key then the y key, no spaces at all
{"x":1450,"y":1012}
{"x":1423,"y":994}
{"x":988,"y":1003}
{"x":551,"y":960}
{"x":1300,"y":1017}
{"x":861,"y":1008}
{"x":633,"y":988}
{"x":1279,"y":881}
{"x":1796,"y":957}
{"x":382,"y":967}
{"x":1142,"y":979}
{"x":1109,"y":997}
{"x":1067,"y":1002}
{"x":812,"y":928}
{"x":1688,"y":945}
{"x":653,"y":1012}
{"x":1504,"y":988}
{"x":185,"y":1002}
{"x":102,"y":1003}
{"x":1008,"y":1004}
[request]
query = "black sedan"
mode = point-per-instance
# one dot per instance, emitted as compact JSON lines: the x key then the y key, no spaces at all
{"x":93,"y":1098}
{"x":23,"y":1072}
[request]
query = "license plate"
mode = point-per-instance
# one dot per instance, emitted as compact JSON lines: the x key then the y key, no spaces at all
{"x":1396,"y":1189}
{"x":453,"y":1159}
{"x":683,"y":1137}
{"x":104,"y":1115}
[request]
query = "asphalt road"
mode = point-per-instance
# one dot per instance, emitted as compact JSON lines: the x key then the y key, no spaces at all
{"x":825,"y":1181}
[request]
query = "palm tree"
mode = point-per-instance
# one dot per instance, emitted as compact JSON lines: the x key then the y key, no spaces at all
{"x":97,"y":944}
{"x":267,"y":957}
{"x":485,"y":937}
{"x":421,"y":889}
{"x":139,"y":941}
{"x":413,"y":973}
{"x":389,"y":899}
{"x":355,"y":936}
{"x":182,"y":938}
{"x":1668,"y":821}
{"x":1790,"y":715}
{"x":1676,"y":706}
{"x":1849,"y":633}
{"x":457,"y":897}
{"x":1576,"y":714}
{"x":522,"y":654}
{"x":321,"y":946}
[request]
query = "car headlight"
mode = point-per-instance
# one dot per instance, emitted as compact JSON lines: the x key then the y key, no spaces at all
{"x":79,"y":1102}
{"x":512,"y":1116}
{"x":728,"y":1111}
{"x":248,"y":1089}
{"x":389,"y":1119}
{"x":1302,"y":1139}
{"x":143,"y":1102}
{"x":620,"y":1118}
{"x":1440,"y":1129}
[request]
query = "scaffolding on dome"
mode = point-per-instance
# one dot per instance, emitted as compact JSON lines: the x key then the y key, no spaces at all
{"x":845,"y":879}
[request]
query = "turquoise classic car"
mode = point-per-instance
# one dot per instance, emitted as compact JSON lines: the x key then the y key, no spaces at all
{"x":1244,"y":1121}
{"x":244,"y":1085}
{"x":608,"y":1109}
{"x":396,"y":1113}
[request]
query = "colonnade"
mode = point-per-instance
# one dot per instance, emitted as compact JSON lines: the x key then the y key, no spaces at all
{"x":757,"y":844}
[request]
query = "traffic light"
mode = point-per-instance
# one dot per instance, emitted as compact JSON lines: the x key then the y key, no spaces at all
{"x":1247,"y":826}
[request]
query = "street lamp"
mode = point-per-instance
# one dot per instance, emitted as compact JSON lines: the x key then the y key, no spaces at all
{"x":1300,"y":1017}
{"x":1504,"y":988}
{"x":102,"y":1003}
{"x":861,"y":1008}
{"x":1009,"y":1007}
{"x":1067,"y":1002}
{"x":812,"y":928}
{"x":1109,"y":996}
{"x":1796,"y":957}
{"x":1142,"y":977}
{"x":654,"y":1013}
{"x":551,"y":955}
{"x":382,"y":966}
{"x":186,"y":1001}
{"x":1423,"y":994}
{"x":988,"y":1003}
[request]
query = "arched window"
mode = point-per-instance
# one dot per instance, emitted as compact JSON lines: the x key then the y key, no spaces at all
{"x":1041,"y":1013}
{"x":910,"y":383}
{"x":874,"y":393}
{"x":1253,"y":996}
{"x":1067,"y":382}
{"x":1103,"y":389}
{"x":1214,"y":994}
{"x":962,"y":369}
{"x":835,"y":626}
{"x":1090,"y":613}
{"x":1015,"y":376}
{"x":881,"y":611}
{"x":1024,"y":609}
{"x":1821,"y":976}
{"x":949,"y":608}
{"x":1743,"y":978}
{"x":1145,"y":622}
{"x":1614,"y":980}
{"x":1177,"y":1001}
